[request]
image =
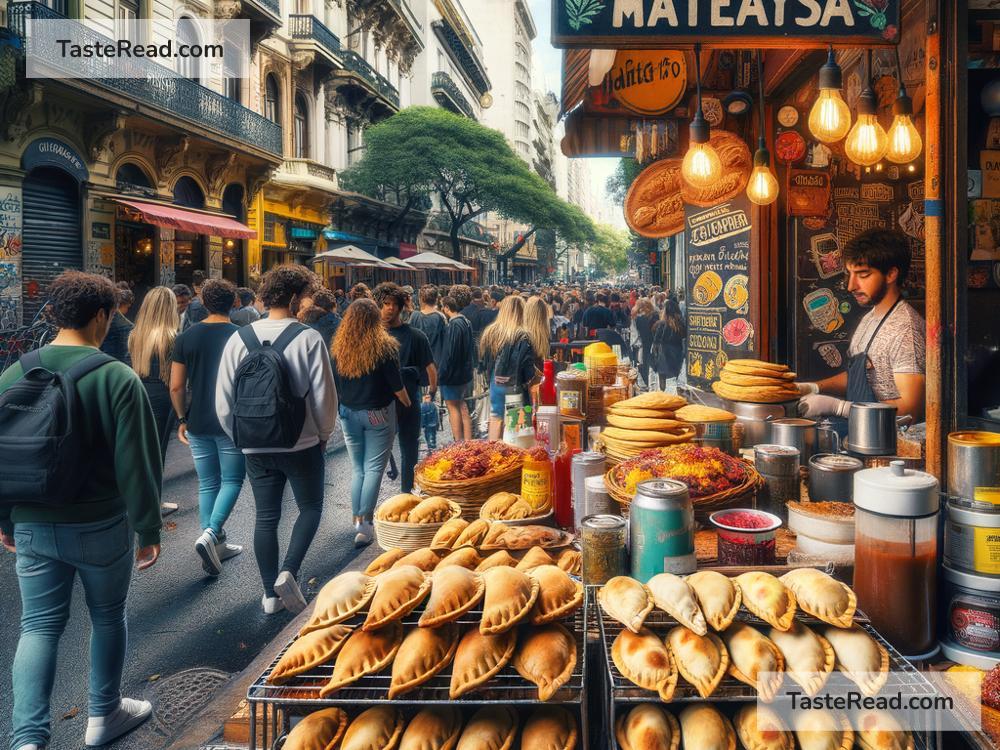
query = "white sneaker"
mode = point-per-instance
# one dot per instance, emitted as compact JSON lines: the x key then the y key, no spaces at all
{"x":289,"y":592}
{"x":272,"y":605}
{"x":365,"y":535}
{"x":205,"y":547}
{"x":130,"y":713}
{"x":226,"y":551}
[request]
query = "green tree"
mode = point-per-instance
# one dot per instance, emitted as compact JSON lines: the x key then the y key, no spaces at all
{"x":610,"y":248}
{"x":469,"y":168}
{"x":619,"y":183}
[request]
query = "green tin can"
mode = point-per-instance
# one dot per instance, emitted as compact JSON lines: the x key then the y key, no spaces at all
{"x":661,"y":529}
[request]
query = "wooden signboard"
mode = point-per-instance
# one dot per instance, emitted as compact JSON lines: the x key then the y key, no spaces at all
{"x":642,"y":82}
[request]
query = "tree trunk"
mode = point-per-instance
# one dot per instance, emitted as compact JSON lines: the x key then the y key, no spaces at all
{"x":456,"y":247}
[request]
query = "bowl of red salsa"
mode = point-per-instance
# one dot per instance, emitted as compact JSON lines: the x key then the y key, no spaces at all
{"x":746,"y":536}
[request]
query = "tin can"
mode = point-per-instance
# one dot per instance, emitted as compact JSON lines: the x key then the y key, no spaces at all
{"x":972,"y":541}
{"x":596,"y":500}
{"x":603,"y":541}
{"x":661,"y":523}
{"x":974,"y":466}
{"x":778,"y":466}
{"x":589,"y":464}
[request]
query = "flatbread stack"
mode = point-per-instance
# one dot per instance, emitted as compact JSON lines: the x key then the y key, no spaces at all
{"x":756,"y":382}
{"x":643,"y":422}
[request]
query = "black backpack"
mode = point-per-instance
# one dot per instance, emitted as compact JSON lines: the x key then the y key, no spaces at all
{"x":41,"y":439}
{"x":266,"y":412}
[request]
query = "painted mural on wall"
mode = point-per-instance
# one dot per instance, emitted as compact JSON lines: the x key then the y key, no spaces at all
{"x":10,"y":257}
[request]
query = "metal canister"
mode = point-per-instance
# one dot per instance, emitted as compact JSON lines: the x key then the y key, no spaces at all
{"x":831,"y":477}
{"x":778,"y":465}
{"x":602,"y":539}
{"x":726,"y":436}
{"x":585,"y":465}
{"x":974,"y":466}
{"x":597,"y":500}
{"x":661,"y":529}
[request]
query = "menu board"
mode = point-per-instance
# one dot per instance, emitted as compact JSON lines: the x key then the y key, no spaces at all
{"x":717,"y":287}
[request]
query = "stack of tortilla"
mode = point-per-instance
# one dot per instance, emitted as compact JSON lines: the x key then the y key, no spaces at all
{"x":643,"y":422}
{"x":756,"y":382}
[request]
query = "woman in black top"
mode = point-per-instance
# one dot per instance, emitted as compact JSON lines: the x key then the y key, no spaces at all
{"x":668,"y":343}
{"x":645,"y":319}
{"x":150,"y":345}
{"x":366,"y":369}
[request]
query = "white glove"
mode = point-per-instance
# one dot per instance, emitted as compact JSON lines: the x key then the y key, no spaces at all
{"x":806,"y":388}
{"x":818,"y":405}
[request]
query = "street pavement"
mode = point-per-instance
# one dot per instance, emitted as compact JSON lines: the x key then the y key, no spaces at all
{"x":187,"y":632}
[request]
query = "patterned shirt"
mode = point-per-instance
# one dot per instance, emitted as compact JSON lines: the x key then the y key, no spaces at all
{"x":899,"y":347}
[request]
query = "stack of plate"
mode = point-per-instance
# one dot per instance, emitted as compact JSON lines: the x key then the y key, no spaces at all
{"x":643,"y":422}
{"x":756,"y":382}
{"x":824,"y":529}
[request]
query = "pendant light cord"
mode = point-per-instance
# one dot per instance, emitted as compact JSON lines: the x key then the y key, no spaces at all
{"x":762,"y":141}
{"x":697,"y":74}
{"x":899,"y":72}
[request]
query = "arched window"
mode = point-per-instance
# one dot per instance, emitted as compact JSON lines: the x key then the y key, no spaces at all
{"x":131,"y":176}
{"x":301,"y":128}
{"x":187,"y":193}
{"x":187,"y":34}
{"x":233,"y":73}
{"x":272,"y":99}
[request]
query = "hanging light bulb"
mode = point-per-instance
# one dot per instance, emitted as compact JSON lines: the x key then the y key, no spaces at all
{"x":830,"y":117}
{"x":701,"y":167}
{"x":905,"y":143}
{"x":867,"y":142}
{"x":762,"y":188}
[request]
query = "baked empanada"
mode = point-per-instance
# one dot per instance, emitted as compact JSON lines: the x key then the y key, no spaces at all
{"x":377,"y":728}
{"x":501,"y":559}
{"x":363,"y":653}
{"x":399,"y":592}
{"x":424,"y":558}
{"x":819,"y":729}
{"x":546,"y":656}
{"x":308,"y":651}
{"x":822,"y":596}
{"x":571,"y":561}
{"x":501,"y":536}
{"x":340,"y":599}
{"x":768,"y":598}
{"x":423,"y":653}
{"x":385,"y":561}
{"x":752,"y":655}
{"x":490,"y":728}
{"x":702,"y":660}
{"x":449,"y":533}
{"x":465,"y":557}
{"x":809,"y":657}
{"x":643,"y":659}
{"x":510,"y":596}
{"x":320,"y":730}
{"x":478,"y":658}
{"x":760,"y":728}
{"x":704,"y":728}
{"x":533,"y":558}
{"x":549,"y":728}
{"x":473,"y":534}
{"x":648,"y":727}
{"x":718,"y":597}
{"x":434,"y":728}
{"x":397,"y":508}
{"x":431,"y":510}
{"x":558,"y":594}
{"x":505,"y":506}
{"x":673,"y":595}
{"x":627,"y":601}
{"x":879,"y":730}
{"x":454,"y":591}
{"x":864,"y":660}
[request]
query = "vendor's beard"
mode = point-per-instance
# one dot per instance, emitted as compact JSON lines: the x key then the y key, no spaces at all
{"x":877,"y":297}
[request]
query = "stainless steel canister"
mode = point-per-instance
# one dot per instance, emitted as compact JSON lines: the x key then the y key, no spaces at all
{"x":974,"y":466}
{"x":584,"y":465}
{"x":778,"y":465}
{"x":661,"y":529}
{"x":831,"y":477}
{"x":726,"y":436}
{"x":756,"y":419}
{"x":795,"y":432}
{"x":602,"y":540}
{"x":597,"y":500}
{"x":871,"y":429}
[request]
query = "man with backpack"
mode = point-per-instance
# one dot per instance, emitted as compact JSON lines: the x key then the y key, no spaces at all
{"x":71,"y":501}
{"x":277,"y":401}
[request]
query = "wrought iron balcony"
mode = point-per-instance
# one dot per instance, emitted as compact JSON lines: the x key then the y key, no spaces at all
{"x":160,"y":87}
{"x":378,"y":82}
{"x":446,"y":91}
{"x":272,"y":6}
{"x":317,"y":37}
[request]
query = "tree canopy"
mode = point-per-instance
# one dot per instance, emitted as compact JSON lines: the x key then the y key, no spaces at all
{"x":619,"y":183}
{"x":470,"y":168}
{"x":610,"y":248}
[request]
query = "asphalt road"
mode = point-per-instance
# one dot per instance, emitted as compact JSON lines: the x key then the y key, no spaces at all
{"x":187,"y":632}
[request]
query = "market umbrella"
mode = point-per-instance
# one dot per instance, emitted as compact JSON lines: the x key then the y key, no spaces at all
{"x":401,"y":264}
{"x":436,"y":260}
{"x":351,"y":255}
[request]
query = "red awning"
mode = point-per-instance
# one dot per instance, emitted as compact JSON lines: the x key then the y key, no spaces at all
{"x":187,"y":220}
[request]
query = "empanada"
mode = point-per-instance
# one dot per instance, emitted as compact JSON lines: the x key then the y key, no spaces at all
{"x":571,"y":561}
{"x":533,"y":558}
{"x":501,"y":559}
{"x":399,"y":592}
{"x":465,"y":557}
{"x":501,"y":536}
{"x":510,"y":596}
{"x":546,"y":656}
{"x":549,"y":728}
{"x":718,"y":597}
{"x":449,"y":533}
{"x":768,"y":598}
{"x":478,"y":658}
{"x":397,"y":508}
{"x":377,"y":728}
{"x":627,"y":601}
{"x":752,"y":655}
{"x":308,"y":651}
{"x":859,"y":656}
{"x":385,"y":561}
{"x":454,"y":591}
{"x":434,"y":728}
{"x":760,"y":728}
{"x":363,"y":653}
{"x":819,"y":729}
{"x":473,"y":534}
{"x":648,"y":727}
{"x":505,"y":506}
{"x":320,"y":730}
{"x":424,"y":558}
{"x":673,"y":595}
{"x":643,"y":659}
{"x":558,"y":594}
{"x":702,"y":660}
{"x":704,"y":728}
{"x":822,"y":596}
{"x":879,"y":730}
{"x":423,"y":653}
{"x":340,"y":599}
{"x":809,"y":657}
{"x":431,"y":510}
{"x":490,"y":728}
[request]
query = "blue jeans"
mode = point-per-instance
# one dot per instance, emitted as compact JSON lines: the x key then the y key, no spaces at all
{"x":49,"y":556}
{"x":431,"y":436}
{"x":220,"y":466}
{"x":368,"y":436}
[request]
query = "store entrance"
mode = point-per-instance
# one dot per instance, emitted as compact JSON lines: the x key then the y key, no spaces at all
{"x":135,"y":257}
{"x":189,"y":256}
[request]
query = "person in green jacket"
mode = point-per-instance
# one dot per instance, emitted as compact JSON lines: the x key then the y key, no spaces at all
{"x":92,"y":534}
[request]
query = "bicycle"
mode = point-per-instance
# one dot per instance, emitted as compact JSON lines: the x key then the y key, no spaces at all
{"x":16,"y":342}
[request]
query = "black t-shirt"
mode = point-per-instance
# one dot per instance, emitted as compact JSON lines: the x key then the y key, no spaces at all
{"x":456,"y":367}
{"x":597,"y":317}
{"x":372,"y":391}
{"x":199,"y":349}
{"x":414,"y":356}
{"x":432,"y":325}
{"x":484,"y":317}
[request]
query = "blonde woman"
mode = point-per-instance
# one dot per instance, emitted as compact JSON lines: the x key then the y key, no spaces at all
{"x":508,"y":358}
{"x":538,"y":324}
{"x":150,"y":347}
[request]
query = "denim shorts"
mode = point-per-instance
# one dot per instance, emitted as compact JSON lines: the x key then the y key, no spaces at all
{"x":456,"y":392}
{"x":498,"y":400}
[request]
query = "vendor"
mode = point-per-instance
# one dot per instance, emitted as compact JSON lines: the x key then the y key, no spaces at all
{"x":886,"y":358}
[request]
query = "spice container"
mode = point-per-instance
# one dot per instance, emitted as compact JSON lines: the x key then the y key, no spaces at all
{"x":585,"y":465}
{"x":602,"y":540}
{"x":778,"y":465}
{"x":972,"y":610}
{"x":597,"y":500}
{"x":536,"y":478}
{"x":571,"y":388}
{"x":831,"y":477}
{"x":974,"y":466}
{"x":661,"y":529}
{"x":746,"y":536}
{"x":602,"y":369}
{"x":972,"y":540}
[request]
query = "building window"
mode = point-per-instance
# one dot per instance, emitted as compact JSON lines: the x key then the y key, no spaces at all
{"x":268,"y":228}
{"x":442,"y":65}
{"x":272,"y":99}
{"x":232,"y":74}
{"x":522,"y":111}
{"x":59,"y":6}
{"x":187,"y":34}
{"x":128,"y":14}
{"x":301,"y":128}
{"x":355,"y":143}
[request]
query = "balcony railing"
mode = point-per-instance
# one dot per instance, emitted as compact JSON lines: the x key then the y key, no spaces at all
{"x":312,"y":29}
{"x":271,"y":5}
{"x":309,"y":168}
{"x":442,"y":84}
{"x":160,"y":87}
{"x":354,"y":62}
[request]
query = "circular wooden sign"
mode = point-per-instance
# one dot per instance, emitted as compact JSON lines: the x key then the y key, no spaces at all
{"x":648,"y":81}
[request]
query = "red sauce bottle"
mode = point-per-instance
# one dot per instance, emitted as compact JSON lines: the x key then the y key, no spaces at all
{"x":563,"y":495}
{"x":547,"y":387}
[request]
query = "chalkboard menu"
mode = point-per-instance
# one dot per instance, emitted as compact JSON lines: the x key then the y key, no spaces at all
{"x":717,"y":287}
